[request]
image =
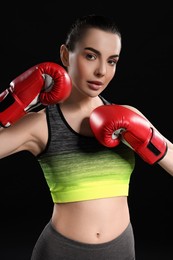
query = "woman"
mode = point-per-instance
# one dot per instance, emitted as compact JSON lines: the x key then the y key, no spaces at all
{"x":88,"y":181}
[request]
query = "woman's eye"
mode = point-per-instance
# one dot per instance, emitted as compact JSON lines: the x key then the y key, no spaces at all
{"x":112,"y":62}
{"x":90,"y":56}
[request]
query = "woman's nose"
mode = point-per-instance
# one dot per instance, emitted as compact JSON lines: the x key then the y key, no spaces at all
{"x":101,"y":69}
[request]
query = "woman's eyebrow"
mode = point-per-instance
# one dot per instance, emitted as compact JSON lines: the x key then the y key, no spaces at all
{"x":98,"y":53}
{"x":92,"y":49}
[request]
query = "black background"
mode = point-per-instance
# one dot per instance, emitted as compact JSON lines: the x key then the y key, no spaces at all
{"x":31,"y":33}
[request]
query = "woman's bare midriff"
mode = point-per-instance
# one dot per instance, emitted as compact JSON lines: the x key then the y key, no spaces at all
{"x":94,"y":221}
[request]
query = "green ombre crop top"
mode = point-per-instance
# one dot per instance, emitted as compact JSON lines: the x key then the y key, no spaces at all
{"x":78,"y":168}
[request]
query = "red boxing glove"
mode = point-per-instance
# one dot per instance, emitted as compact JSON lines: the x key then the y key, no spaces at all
{"x":44,"y":84}
{"x":112,"y":122}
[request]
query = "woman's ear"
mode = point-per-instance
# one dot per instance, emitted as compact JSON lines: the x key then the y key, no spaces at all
{"x":64,"y":54}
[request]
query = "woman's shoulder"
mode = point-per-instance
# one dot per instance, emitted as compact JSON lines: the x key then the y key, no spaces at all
{"x":134,"y":109}
{"x":109,"y":102}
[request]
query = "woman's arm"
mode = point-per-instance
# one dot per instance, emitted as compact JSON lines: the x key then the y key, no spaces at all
{"x":114,"y":123}
{"x":29,"y":133}
{"x":167,"y":162}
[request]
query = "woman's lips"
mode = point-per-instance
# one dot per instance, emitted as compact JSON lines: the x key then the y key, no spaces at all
{"x":94,"y":85}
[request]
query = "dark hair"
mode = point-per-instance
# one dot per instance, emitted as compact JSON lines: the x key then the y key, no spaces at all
{"x":80,"y":26}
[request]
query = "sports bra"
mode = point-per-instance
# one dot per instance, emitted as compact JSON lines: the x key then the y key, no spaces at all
{"x":78,"y":168}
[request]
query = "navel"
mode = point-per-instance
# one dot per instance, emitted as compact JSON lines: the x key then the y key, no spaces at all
{"x":98,"y":234}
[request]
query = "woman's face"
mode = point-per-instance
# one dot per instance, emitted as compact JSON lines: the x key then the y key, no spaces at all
{"x":92,"y":64}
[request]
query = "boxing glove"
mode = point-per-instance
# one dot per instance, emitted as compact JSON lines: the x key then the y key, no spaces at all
{"x":112,"y":123}
{"x":44,"y":84}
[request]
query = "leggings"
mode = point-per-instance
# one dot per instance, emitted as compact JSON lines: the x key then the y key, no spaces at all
{"x":51,"y":245}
